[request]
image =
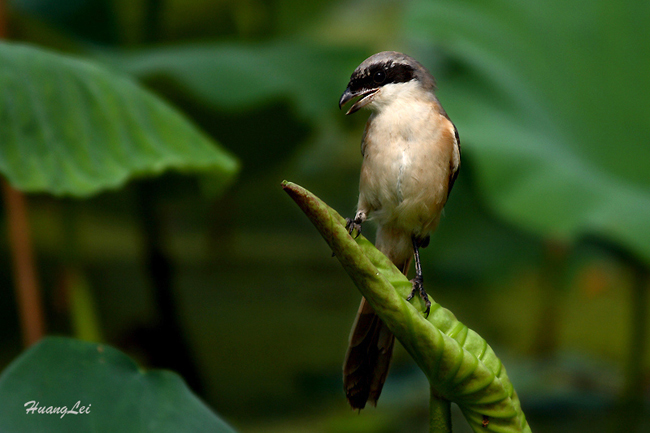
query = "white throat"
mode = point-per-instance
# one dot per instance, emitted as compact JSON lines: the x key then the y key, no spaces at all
{"x":398,"y":94}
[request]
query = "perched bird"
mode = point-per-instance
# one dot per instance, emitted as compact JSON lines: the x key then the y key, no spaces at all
{"x":411,"y":157}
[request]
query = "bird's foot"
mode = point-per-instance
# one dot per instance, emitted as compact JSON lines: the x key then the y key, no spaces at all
{"x":353,"y":224}
{"x":418,"y":287}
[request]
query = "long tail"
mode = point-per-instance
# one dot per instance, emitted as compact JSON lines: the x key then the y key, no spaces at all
{"x":367,"y":359}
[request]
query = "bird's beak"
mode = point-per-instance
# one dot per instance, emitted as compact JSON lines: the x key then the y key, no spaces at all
{"x":348,"y":95}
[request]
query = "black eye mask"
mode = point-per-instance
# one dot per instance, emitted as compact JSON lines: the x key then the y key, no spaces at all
{"x":381,"y":74}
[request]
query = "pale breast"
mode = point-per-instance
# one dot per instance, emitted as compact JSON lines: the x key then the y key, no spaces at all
{"x":405,"y":171}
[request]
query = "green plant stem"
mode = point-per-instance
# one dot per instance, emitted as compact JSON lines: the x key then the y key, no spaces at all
{"x":439,"y":414}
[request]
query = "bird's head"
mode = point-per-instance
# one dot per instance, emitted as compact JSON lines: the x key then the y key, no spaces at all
{"x":383,"y":78}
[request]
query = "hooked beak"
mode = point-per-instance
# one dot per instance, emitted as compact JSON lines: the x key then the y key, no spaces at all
{"x":348,"y":95}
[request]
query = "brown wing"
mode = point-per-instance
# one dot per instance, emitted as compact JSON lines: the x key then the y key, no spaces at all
{"x":455,"y":163}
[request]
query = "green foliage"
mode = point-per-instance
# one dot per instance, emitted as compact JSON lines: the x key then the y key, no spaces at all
{"x":553,"y":110}
{"x":238,"y":76}
{"x":69,"y":127}
{"x":120,"y":396}
{"x":550,"y":102}
{"x":459,"y":364}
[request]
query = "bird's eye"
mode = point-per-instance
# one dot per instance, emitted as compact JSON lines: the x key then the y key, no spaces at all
{"x":379,"y":77}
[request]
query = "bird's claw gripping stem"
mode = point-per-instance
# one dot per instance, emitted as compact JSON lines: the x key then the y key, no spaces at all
{"x":418,"y":287}
{"x":353,"y":224}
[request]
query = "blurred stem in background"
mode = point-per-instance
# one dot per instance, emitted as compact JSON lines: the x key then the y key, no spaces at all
{"x":28,"y":292}
{"x":631,"y":402}
{"x":639,"y":301}
{"x":169,"y":344}
{"x":3,"y":20}
{"x":553,"y":282}
{"x":152,"y":17}
{"x":76,"y":300}
{"x":633,"y":388}
{"x":165,"y":343}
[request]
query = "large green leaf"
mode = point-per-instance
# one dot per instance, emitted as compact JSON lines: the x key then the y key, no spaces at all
{"x":232,"y":76}
{"x":554,"y":109}
{"x":119,"y":396}
{"x":69,"y":127}
{"x":460,"y":365}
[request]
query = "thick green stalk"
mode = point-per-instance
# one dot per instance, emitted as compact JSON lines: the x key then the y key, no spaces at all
{"x":439,"y":414}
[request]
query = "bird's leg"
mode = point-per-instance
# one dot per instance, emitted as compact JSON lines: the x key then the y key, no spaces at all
{"x":355,"y":224}
{"x":418,"y":287}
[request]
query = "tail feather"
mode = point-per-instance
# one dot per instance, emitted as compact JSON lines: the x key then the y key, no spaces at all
{"x":368,"y":357}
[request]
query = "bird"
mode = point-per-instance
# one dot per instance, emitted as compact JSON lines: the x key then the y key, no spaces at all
{"x":411,"y":158}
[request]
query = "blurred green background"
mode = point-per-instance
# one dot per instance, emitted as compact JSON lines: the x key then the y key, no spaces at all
{"x":543,"y":250}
